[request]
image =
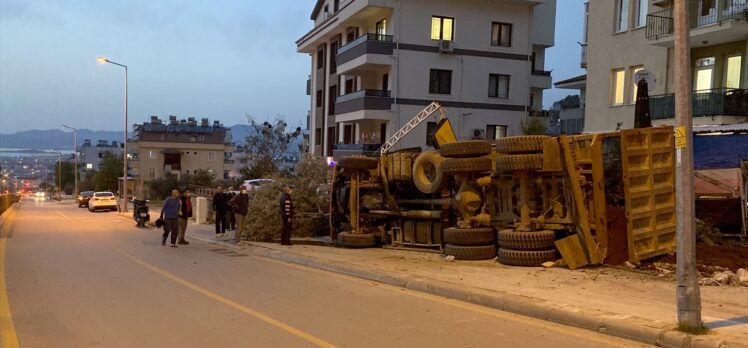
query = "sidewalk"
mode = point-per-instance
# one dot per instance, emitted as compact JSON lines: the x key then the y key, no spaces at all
{"x":617,"y":301}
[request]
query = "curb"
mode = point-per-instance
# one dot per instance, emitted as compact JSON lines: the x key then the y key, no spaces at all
{"x":4,"y":216}
{"x":633,"y":328}
{"x":223,"y":243}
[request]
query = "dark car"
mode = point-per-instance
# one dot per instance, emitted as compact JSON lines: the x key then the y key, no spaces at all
{"x":83,"y":198}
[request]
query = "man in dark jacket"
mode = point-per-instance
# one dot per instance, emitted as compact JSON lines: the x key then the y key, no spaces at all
{"x":220,"y":207}
{"x":170,"y":215}
{"x":240,"y":205}
{"x":230,"y":218}
{"x":185,"y":212}
{"x":286,"y":212}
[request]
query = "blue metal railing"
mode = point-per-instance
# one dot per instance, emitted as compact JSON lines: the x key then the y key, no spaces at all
{"x":710,"y":102}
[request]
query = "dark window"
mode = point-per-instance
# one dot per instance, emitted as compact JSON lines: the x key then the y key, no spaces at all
{"x":333,"y":56}
{"x":430,"y":128}
{"x":330,"y":140}
{"x":348,"y":134}
{"x":318,"y":136}
{"x":440,"y":81}
{"x":331,"y":97}
{"x":336,"y":5}
{"x":385,"y":82}
{"x":320,"y":58}
{"x":501,"y":34}
{"x":498,"y":86}
{"x":318,"y":101}
{"x":382,"y":133}
{"x":350,"y":85}
{"x":494,"y":132}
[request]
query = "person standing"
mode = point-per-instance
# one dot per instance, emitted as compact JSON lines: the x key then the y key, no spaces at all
{"x":170,"y":215}
{"x":220,"y":207}
{"x":240,"y":206}
{"x":231,"y":218}
{"x":185,"y":212}
{"x":286,"y":212}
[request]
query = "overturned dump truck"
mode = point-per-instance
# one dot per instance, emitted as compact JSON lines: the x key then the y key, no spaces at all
{"x":525,"y":200}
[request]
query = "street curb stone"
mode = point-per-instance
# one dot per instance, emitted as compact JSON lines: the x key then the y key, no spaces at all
{"x":222,"y":243}
{"x":624,"y":326}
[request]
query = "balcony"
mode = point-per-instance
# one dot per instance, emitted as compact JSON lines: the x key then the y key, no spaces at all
{"x":368,"y":52}
{"x":721,"y":105}
{"x":364,"y":104}
{"x":725,"y":23}
{"x":541,"y":79}
{"x":342,"y":150}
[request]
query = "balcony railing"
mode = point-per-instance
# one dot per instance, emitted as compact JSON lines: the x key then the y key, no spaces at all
{"x":541,"y":73}
{"x":365,"y":38}
{"x":660,"y":23}
{"x":711,"y":102}
{"x":363,"y":93}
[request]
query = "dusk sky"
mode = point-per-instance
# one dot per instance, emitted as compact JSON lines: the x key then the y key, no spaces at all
{"x":217,"y":59}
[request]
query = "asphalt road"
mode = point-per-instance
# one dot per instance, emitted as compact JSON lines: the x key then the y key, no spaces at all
{"x":81,"y":279}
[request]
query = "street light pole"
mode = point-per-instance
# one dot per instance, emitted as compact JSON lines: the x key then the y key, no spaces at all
{"x":59,"y":172}
{"x":103,"y":60}
{"x":75,"y":158}
{"x":687,"y":292}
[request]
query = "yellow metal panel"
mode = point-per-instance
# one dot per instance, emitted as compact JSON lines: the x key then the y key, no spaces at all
{"x":572,"y":251}
{"x":649,"y":185}
{"x":444,"y":133}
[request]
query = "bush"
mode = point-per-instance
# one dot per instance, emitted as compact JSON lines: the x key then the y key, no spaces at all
{"x":310,"y":199}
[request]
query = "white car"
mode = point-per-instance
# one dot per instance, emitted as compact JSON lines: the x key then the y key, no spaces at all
{"x":254,"y":184}
{"x":102,"y":200}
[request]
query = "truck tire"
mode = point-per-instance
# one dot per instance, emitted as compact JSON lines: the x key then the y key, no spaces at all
{"x":485,"y":252}
{"x":521,"y":144}
{"x":510,"y":163}
{"x":427,"y":174}
{"x":526,"y":258}
{"x":469,"y":236}
{"x":467,"y":148}
{"x":540,"y":240}
{"x":358,"y":163}
{"x":356,"y":240}
{"x":466,"y":165}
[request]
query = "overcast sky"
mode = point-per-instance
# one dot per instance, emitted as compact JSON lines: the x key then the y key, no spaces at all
{"x":216,"y":59}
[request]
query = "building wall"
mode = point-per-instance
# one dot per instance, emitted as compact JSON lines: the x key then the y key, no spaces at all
{"x":150,"y":156}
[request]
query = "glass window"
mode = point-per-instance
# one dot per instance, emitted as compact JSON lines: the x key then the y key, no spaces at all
{"x":498,"y":86}
{"x":732,"y":80}
{"x":151,"y":173}
{"x":617,"y":85}
{"x":704,"y":73}
{"x":501,"y":34}
{"x":152,"y":154}
{"x":442,"y":28}
{"x":381,"y":29}
{"x":211,"y":156}
{"x":494,"y":132}
{"x":622,"y":16}
{"x":440,"y":81}
{"x":641,"y":13}
{"x":634,"y":84}
{"x":430,"y":128}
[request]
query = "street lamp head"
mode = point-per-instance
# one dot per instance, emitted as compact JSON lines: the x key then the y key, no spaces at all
{"x":102,"y":60}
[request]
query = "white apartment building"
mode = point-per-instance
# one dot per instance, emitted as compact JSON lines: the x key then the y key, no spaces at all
{"x":377,"y":63}
{"x":624,"y":36}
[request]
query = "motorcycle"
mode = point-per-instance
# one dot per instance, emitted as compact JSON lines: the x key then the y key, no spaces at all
{"x":140,"y":212}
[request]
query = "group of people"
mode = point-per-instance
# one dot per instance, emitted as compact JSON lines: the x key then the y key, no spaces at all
{"x":230,"y":209}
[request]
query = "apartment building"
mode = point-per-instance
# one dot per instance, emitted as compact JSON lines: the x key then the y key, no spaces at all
{"x":180,"y":147}
{"x":90,"y":155}
{"x":377,"y":63}
{"x":625,"y":36}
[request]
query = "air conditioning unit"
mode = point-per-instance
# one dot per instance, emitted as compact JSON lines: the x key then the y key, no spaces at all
{"x":446,"y":46}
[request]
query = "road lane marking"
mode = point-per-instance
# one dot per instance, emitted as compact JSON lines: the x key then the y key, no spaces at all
{"x":283,"y":326}
{"x":492,"y":312}
{"x":8,"y":337}
{"x":67,"y":217}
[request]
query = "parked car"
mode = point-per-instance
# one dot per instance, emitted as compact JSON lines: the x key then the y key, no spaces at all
{"x":102,"y":200}
{"x":82,"y":198}
{"x":254,"y":184}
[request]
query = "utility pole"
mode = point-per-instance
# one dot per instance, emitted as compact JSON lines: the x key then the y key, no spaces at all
{"x":688,"y":297}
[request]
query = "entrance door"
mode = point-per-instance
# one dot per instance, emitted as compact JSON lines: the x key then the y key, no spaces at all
{"x":703,"y":79}
{"x":347,"y":133}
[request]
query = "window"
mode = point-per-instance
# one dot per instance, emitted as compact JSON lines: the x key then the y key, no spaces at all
{"x":494,"y":132}
{"x":634,"y":84}
{"x":732,"y":78}
{"x":616,"y":86}
{"x":318,"y":136}
{"x":440,"y":81}
{"x":187,"y":171}
{"x":704,"y":73}
{"x":498,"y":86}
{"x":622,"y":16}
{"x":430,"y":129}
{"x":332,"y":95}
{"x":333,"y":56}
{"x":152,"y":173}
{"x":640,"y":19}
{"x":152,"y":154}
{"x":501,"y":34}
{"x":336,"y":5}
{"x":318,"y":99}
{"x":211,"y":156}
{"x":320,"y":58}
{"x":381,"y":29}
{"x":442,"y":28}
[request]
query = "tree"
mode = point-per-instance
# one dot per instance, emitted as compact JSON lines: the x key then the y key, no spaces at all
{"x":68,"y":175}
{"x":107,"y":179}
{"x":203,"y":177}
{"x":266,"y":143}
{"x":534,"y":126}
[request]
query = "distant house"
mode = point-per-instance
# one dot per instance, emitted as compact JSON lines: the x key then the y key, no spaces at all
{"x":90,"y":155}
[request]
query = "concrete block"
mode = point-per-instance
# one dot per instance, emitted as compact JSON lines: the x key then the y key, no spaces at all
{"x":201,"y":210}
